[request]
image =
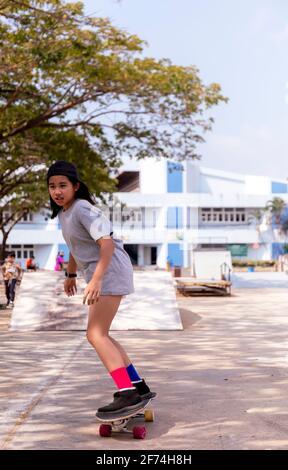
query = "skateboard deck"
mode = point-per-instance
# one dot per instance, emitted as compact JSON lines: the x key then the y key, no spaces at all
{"x":118,"y":423}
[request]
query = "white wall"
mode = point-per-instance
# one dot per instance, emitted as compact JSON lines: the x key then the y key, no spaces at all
{"x":36,"y":237}
{"x":220,"y":184}
{"x":193,"y":215}
{"x":186,"y":255}
{"x":129,"y":164}
{"x":257,"y":184}
{"x":193,"y":177}
{"x":262,"y":253}
{"x":149,"y":217}
{"x":45,"y":255}
{"x":227,"y":234}
{"x":153,"y":176}
{"x":39,"y":217}
{"x":162,"y":255}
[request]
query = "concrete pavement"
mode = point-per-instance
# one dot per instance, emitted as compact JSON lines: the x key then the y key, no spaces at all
{"x":222,"y":382}
{"x":259,"y":280}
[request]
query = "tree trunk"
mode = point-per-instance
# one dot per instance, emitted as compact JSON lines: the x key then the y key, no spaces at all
{"x":3,"y":246}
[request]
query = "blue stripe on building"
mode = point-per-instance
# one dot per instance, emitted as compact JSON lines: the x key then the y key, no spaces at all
{"x":277,"y":187}
{"x":283,"y":218}
{"x":277,"y":250}
{"x":175,"y":254}
{"x":63,"y":247}
{"x":174,"y":217}
{"x":174,"y":177}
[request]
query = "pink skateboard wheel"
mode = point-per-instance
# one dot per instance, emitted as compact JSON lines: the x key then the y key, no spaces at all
{"x":105,"y":430}
{"x":139,"y":432}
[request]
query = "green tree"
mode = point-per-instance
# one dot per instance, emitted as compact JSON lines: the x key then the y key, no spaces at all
{"x":57,"y":60}
{"x":23,"y":185}
{"x":71,"y":84}
{"x":276,"y":207}
{"x":284,"y":230}
{"x":256,"y":217}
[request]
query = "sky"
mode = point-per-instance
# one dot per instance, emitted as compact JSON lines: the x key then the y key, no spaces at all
{"x":241,"y":45}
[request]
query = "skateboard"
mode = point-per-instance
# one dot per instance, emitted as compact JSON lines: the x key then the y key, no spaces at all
{"x":118,"y":424}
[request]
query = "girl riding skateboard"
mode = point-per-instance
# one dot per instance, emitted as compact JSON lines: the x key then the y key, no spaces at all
{"x":108,"y":271}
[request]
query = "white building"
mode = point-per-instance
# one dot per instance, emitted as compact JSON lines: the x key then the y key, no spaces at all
{"x":164,"y":209}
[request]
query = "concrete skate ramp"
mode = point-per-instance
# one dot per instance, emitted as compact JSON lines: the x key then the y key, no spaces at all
{"x":41,"y":304}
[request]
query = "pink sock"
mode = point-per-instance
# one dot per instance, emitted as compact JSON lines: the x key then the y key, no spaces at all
{"x":122,"y":379}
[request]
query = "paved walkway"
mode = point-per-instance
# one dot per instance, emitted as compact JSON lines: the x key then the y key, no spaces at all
{"x":260,"y":280}
{"x":222,"y":382}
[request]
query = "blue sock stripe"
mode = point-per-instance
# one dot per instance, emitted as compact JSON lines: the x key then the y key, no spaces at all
{"x":133,"y":374}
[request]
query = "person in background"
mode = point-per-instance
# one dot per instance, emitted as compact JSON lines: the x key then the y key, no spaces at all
{"x":30,"y":264}
{"x":59,"y":262}
{"x":11,"y":273}
{"x":62,"y":256}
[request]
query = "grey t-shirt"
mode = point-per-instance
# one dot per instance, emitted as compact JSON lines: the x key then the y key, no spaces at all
{"x":82,"y":224}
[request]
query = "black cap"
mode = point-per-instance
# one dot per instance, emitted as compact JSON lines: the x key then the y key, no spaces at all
{"x":61,"y":167}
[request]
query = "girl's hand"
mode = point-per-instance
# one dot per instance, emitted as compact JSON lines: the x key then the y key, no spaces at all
{"x":70,"y":286}
{"x":92,"y":291}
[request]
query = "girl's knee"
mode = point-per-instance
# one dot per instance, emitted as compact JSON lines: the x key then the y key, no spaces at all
{"x":95,"y":336}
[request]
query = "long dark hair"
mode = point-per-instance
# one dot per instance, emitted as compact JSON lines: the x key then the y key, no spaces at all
{"x":82,"y":193}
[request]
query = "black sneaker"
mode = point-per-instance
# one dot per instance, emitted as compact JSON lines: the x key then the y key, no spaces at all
{"x":143,"y":390}
{"x":124,"y":402}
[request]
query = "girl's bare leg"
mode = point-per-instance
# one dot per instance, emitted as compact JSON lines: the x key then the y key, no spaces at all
{"x":101,"y":315}
{"x":123,"y":353}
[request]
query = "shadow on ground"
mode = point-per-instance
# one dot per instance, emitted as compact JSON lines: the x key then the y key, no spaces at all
{"x":222,"y":382}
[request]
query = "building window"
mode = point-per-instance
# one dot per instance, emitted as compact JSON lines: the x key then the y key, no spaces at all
{"x":154,"y":218}
{"x":228,"y":216}
{"x":22,"y":251}
{"x":28,"y":217}
{"x":127,"y":217}
{"x":189,"y":217}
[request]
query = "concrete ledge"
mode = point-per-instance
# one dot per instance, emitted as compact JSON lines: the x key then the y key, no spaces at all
{"x":41,"y":304}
